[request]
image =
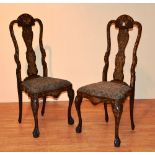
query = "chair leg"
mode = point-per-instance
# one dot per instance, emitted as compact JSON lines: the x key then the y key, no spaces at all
{"x":131,"y":111}
{"x":106,"y":112}
{"x":78,"y":101}
{"x":20,"y":105}
{"x":117,"y":108}
{"x":43,"y":107}
{"x":35,"y":106}
{"x":71,"y":98}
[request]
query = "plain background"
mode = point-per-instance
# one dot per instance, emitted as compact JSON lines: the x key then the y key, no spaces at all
{"x":74,"y":38}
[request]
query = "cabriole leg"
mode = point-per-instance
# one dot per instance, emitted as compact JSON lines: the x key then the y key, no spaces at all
{"x":35,"y":106}
{"x":71,"y":98}
{"x":78,"y":101}
{"x":117,"y":108}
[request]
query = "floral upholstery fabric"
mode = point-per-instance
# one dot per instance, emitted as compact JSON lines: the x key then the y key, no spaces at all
{"x":44,"y":84}
{"x":110,"y":90}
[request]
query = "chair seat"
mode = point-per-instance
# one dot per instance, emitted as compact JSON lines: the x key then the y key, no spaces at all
{"x":44,"y":84}
{"x":109,"y":90}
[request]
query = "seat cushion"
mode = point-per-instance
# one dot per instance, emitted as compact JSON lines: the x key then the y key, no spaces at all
{"x":110,"y":90}
{"x":44,"y":84}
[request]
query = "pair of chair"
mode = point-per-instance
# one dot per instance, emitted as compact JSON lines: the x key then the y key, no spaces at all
{"x":114,"y":92}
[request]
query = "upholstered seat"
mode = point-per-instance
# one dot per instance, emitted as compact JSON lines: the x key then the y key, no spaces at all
{"x":44,"y":84}
{"x":109,"y":90}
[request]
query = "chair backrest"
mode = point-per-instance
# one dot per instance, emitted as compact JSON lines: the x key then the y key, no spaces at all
{"x":26,"y":21}
{"x":123,"y":23}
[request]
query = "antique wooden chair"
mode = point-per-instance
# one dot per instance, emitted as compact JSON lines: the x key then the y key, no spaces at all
{"x":115,"y":91}
{"x":34,"y":85}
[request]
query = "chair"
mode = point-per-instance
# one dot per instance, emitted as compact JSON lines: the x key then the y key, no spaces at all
{"x":34,"y":85}
{"x":115,"y":91}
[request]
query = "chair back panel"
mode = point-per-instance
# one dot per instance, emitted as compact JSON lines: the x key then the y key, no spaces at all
{"x":26,"y":21}
{"x":124,"y":24}
{"x":123,"y":37}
